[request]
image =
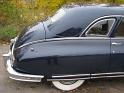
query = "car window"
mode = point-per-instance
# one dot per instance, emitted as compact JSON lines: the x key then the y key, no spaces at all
{"x":72,"y":32}
{"x":64,"y":30}
{"x":65,"y":24}
{"x":120,"y":29}
{"x":101,"y":28}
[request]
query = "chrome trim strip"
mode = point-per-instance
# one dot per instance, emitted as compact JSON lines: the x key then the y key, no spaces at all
{"x":59,"y":39}
{"x":116,"y":73}
{"x":86,"y":33}
{"x":117,"y":38}
{"x":21,"y":76}
{"x":107,"y":76}
{"x":69,"y":79}
{"x":30,"y":43}
{"x":88,"y":76}
{"x":77,"y":75}
{"x":26,"y":80}
{"x":71,"y":75}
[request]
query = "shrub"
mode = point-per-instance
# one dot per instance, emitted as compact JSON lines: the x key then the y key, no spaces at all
{"x":7,"y":32}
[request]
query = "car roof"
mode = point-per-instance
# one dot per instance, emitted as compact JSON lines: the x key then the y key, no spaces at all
{"x":95,"y":10}
{"x":82,"y":16}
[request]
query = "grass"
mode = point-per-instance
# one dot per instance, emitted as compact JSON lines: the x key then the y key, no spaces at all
{"x":7,"y":32}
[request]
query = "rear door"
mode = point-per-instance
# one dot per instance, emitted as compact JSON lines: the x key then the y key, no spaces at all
{"x":100,"y":59}
{"x":117,"y":49}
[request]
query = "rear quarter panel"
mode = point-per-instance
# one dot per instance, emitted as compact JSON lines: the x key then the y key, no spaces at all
{"x":66,"y":56}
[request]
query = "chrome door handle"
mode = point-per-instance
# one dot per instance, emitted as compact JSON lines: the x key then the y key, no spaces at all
{"x":114,"y":43}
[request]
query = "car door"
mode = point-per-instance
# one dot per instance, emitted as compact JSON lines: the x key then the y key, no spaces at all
{"x":117,"y":49}
{"x":100,"y":45}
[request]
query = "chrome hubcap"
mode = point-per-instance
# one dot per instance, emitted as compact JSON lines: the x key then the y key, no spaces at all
{"x":68,"y":82}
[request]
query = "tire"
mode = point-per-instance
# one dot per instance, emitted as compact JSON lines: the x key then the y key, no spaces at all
{"x":68,"y":85}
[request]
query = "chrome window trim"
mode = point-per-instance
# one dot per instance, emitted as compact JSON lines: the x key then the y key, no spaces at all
{"x":114,"y":20}
{"x":104,"y":17}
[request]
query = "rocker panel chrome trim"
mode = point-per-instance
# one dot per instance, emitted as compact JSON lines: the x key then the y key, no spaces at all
{"x":107,"y":76}
{"x":68,"y":79}
{"x":111,"y":73}
{"x":71,"y":75}
{"x":87,"y":76}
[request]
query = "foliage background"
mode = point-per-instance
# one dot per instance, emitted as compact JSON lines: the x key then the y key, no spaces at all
{"x":16,"y":14}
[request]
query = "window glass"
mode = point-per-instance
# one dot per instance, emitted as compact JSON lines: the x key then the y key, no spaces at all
{"x":101,"y":28}
{"x":65,"y":24}
{"x":120,"y":30}
{"x":72,"y":32}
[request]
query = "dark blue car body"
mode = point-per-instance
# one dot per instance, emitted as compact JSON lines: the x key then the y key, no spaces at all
{"x":63,"y":48}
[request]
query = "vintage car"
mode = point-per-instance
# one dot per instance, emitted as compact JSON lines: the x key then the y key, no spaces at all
{"x":76,"y":44}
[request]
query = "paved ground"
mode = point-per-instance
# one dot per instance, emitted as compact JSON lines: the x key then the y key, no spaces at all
{"x":114,"y":85}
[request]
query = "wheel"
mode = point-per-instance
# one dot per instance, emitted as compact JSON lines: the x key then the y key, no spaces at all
{"x":68,"y":85}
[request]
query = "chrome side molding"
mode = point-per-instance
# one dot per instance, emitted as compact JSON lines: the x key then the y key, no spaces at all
{"x":87,"y":76}
{"x":71,"y":75}
{"x":116,"y":44}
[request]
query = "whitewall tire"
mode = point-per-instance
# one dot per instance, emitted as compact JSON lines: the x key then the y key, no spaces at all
{"x":68,"y":85}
